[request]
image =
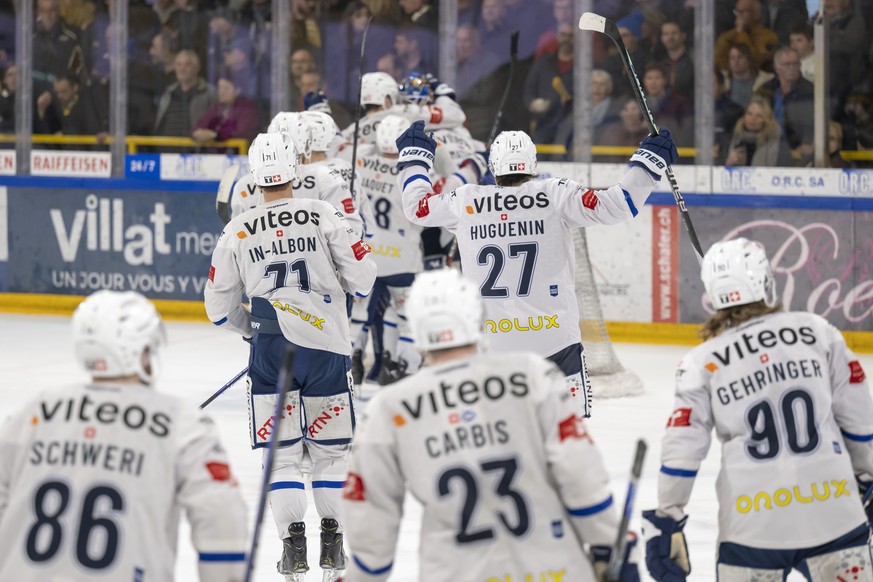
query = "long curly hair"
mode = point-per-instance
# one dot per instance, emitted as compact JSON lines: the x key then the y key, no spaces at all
{"x":724,"y":319}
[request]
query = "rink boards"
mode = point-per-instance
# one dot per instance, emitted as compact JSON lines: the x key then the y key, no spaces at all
{"x":153,"y":232}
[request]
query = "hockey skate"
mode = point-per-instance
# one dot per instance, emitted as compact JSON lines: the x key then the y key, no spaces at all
{"x":333,"y":558}
{"x":391,"y":370}
{"x":357,"y":367}
{"x":293,"y":564}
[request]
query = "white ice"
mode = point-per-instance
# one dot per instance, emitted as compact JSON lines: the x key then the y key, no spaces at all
{"x":35,"y":353}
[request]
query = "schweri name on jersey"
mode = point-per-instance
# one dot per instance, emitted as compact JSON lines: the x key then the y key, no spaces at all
{"x":531,"y":324}
{"x":275,"y":219}
{"x":500,"y":202}
{"x":766,"y":338}
{"x":784,"y":496}
{"x":84,"y":409}
{"x":466,"y":393}
{"x":377,"y":165}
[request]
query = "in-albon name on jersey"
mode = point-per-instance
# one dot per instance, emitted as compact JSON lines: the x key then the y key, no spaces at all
{"x":93,"y":480}
{"x":791,"y":407}
{"x":302,"y":256}
{"x":517,"y":243}
{"x":495,"y":450}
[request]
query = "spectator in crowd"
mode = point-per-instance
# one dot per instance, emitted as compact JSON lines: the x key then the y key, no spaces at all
{"x":849,"y":45}
{"x":387,"y":63}
{"x":164,"y":9}
{"x":420,"y":13}
{"x":742,"y":77}
{"x":835,"y":144}
{"x":547,"y":88}
{"x":670,"y":109}
{"x":790,"y":97}
{"x":232,"y":116}
{"x":230,"y":52}
{"x":7,"y":32}
{"x":784,"y":16}
{"x":630,"y":29}
{"x":256,"y":16}
{"x":78,"y":116}
{"x":629,"y":130}
{"x":757,"y":139}
{"x":801,"y":39}
{"x":412,"y":51}
{"x":163,"y":58}
{"x":91,"y":25}
{"x":727,"y":113}
{"x":305,"y":32}
{"x":749,"y":30}
{"x":186,"y":100}
{"x":494,"y":27}
{"x":190,"y":26}
{"x":680,"y":65}
{"x":7,"y":100}
{"x":650,"y":31}
{"x":385,"y":12}
{"x":562,"y":10}
{"x":527,"y":17}
{"x":604,"y":109}
{"x":313,"y":82}
{"x":473,"y":62}
{"x":302,"y":61}
{"x":56,"y":48}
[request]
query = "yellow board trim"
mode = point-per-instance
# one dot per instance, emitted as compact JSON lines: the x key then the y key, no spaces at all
{"x":683,"y":334}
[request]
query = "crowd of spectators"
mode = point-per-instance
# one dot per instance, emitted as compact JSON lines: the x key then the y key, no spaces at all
{"x":202,"y":68}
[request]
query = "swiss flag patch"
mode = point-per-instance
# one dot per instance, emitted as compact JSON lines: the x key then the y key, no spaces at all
{"x":589,"y":199}
{"x":219,"y":471}
{"x":423,"y":207}
{"x":680,"y":417}
{"x":212,"y":273}
{"x":348,"y":205}
{"x":856,"y":372}
{"x":436,"y":114}
{"x":573,"y":427}
{"x":354,"y":488}
{"x":360,"y":249}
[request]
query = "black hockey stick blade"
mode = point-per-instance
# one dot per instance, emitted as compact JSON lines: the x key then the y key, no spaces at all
{"x":603,"y":25}
{"x":222,"y":197}
{"x":513,"y":58}
{"x":613,"y":571}
{"x":360,"y":108}
{"x":285,"y":379}
{"x":221,"y":390}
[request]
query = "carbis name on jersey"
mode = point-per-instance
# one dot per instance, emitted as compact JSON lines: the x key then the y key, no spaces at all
{"x":85,"y":409}
{"x":467,"y":436}
{"x":507,"y":229}
{"x":766,"y":338}
{"x":465,"y":393}
{"x":275,"y":219}
{"x":763,"y":376}
{"x":284,"y":246}
{"x":500,"y":202}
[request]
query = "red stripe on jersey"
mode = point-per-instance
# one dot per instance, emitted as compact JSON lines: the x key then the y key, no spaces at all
{"x":856,"y":372}
{"x":219,"y":471}
{"x":360,"y":249}
{"x":348,"y":205}
{"x":680,"y":417}
{"x":354,"y":488}
{"x":212,"y":273}
{"x":573,"y":427}
{"x":436,"y":114}
{"x":423,"y":208}
{"x":589,"y":199}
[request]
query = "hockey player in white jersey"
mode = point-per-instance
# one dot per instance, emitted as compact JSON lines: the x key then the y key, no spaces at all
{"x":296,"y":259}
{"x":93,"y":477}
{"x":790,"y":405}
{"x":515,"y":238}
{"x":495,"y":449}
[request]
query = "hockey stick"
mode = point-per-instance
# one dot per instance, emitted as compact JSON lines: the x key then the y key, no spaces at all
{"x":613,"y":571}
{"x":359,"y":111}
{"x":222,"y":197}
{"x":596,"y":23}
{"x":286,"y":376}
{"x":221,"y":390}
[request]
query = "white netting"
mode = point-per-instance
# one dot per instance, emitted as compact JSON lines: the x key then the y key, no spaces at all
{"x":609,"y":379}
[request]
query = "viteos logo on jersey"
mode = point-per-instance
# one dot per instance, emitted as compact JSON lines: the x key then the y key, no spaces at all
{"x":307,"y":183}
{"x":467,"y":393}
{"x":102,"y":222}
{"x":766,"y":338}
{"x":85,"y":409}
{"x":273,"y":220}
{"x":797,"y":494}
{"x":531,"y":324}
{"x":378,"y":165}
{"x":500,"y":202}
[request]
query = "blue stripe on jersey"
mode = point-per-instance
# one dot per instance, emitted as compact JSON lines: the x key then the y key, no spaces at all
{"x":407,"y":339}
{"x":328,"y":484}
{"x":460,"y":177}
{"x":591,"y":509}
{"x":221,"y":557}
{"x":372,"y":571}
{"x":860,"y":438}
{"x":415,"y":177}
{"x":221,"y":321}
{"x":677,"y":472}
{"x":286,"y":485}
{"x":389,"y":324}
{"x":359,"y":294}
{"x":630,"y":203}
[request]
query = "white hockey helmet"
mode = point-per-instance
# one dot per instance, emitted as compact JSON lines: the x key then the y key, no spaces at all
{"x":112,"y":329}
{"x":273,"y":159}
{"x":387,"y":132}
{"x":291,"y":123}
{"x":513,"y":152}
{"x":737,"y":272}
{"x":323,"y":129}
{"x":444,"y":310}
{"x":376,"y":86}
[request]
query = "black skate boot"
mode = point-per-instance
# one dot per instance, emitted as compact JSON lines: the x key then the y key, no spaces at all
{"x":391,"y":370}
{"x":293,"y":564}
{"x":357,"y":367}
{"x":333,"y":559}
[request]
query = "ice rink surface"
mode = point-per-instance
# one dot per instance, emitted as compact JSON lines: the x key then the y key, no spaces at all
{"x":35,"y":353}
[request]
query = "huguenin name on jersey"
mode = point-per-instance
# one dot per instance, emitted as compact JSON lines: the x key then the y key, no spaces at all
{"x":509,"y":228}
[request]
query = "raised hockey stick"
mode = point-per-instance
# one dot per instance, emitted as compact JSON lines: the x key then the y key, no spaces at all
{"x":222,"y":197}
{"x":359,"y":111}
{"x":221,"y":390}
{"x":597,"y":23}
{"x":613,"y":571}
{"x":286,"y":376}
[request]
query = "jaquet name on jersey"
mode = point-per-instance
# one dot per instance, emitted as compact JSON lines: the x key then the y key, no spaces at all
{"x":274,"y":220}
{"x":466,"y":393}
{"x":84,"y":409}
{"x":500,"y":202}
{"x":783,"y":497}
{"x":766,"y":338}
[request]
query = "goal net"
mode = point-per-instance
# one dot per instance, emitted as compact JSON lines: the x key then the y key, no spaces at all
{"x":609,"y":379}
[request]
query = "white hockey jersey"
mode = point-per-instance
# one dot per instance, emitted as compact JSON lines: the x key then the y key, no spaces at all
{"x":394,"y":240}
{"x":317,"y":181}
{"x":302,"y":256}
{"x":517,"y":243}
{"x":93,"y":480}
{"x":361,"y":201}
{"x":495,"y":448}
{"x":791,"y":407}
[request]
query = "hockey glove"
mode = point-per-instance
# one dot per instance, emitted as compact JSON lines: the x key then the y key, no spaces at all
{"x":600,"y":556}
{"x":316,"y":102}
{"x":416,"y":147}
{"x":666,"y":551}
{"x":655,"y":153}
{"x":440,"y":89}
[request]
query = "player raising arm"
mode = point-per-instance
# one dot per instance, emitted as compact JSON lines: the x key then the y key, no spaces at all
{"x":515,"y":238}
{"x":789,"y":403}
{"x":93,"y":477}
